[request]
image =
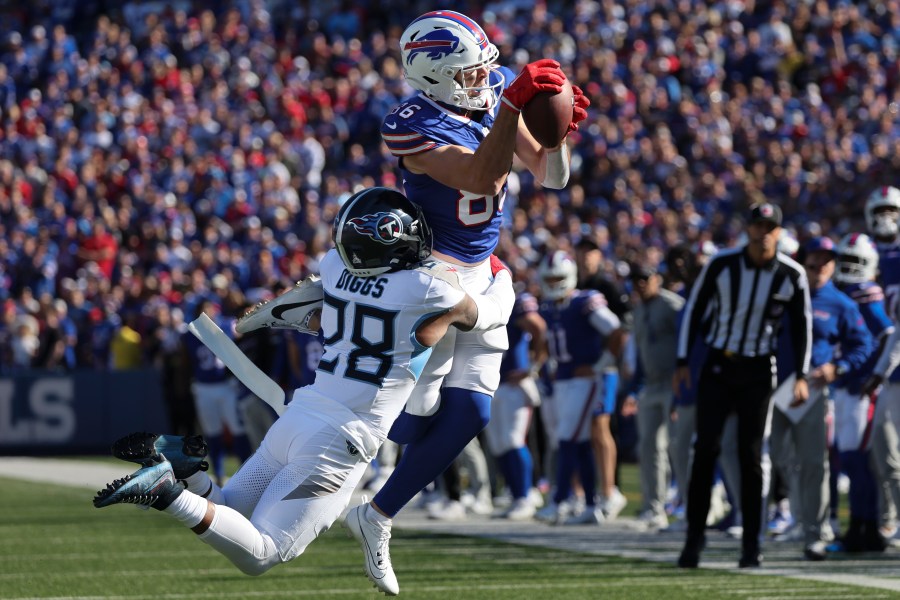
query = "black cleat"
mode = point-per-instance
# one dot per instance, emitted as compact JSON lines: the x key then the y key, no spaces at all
{"x":690,"y":554}
{"x":153,"y":485}
{"x":186,"y":453}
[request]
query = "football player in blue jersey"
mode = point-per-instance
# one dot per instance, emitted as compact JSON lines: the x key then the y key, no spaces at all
{"x":581,"y":329}
{"x":215,"y":397}
{"x":882,"y":212}
{"x":514,"y":402}
{"x":455,"y":141}
{"x":857,"y":265}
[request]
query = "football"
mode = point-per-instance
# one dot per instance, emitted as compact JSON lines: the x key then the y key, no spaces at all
{"x":548,"y":115}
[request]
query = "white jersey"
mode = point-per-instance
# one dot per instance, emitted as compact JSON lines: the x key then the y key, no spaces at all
{"x":372,"y":359}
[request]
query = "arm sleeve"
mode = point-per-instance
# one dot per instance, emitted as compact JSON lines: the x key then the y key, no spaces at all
{"x":556,"y":168}
{"x":604,"y":320}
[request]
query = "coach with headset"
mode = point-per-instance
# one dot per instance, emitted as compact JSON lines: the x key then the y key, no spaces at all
{"x":741,"y":294}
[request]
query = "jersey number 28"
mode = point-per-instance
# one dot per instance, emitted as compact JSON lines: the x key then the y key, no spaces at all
{"x":371,"y":348}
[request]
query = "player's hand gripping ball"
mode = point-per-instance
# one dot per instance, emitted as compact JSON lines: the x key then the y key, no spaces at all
{"x":548,"y":115}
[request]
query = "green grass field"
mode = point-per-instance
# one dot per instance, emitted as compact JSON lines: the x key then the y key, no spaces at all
{"x":54,"y":544}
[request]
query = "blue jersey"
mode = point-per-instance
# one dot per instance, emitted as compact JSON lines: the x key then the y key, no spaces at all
{"x":518,"y":358}
{"x":205,"y":366}
{"x":572,"y":338}
{"x":889,"y":273}
{"x":870,"y":300}
{"x":466,"y":226}
{"x":839,"y":334}
{"x":838,"y":325}
{"x":309,"y":349}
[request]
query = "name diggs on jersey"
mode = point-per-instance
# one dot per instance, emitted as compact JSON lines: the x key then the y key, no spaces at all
{"x":367,"y":286}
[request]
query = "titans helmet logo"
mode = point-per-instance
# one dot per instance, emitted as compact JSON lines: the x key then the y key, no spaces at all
{"x":384,"y":227}
{"x":435,"y":44}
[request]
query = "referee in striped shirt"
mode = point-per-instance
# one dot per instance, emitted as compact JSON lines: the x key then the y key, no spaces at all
{"x":744,"y":293}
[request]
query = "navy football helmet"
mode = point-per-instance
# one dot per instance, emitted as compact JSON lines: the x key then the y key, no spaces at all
{"x":379,"y":230}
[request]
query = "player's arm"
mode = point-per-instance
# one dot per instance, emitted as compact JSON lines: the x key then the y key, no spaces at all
{"x":616,"y":341}
{"x":463,"y":316}
{"x":484,"y":171}
{"x":535,"y":326}
{"x":550,"y":166}
{"x":538,"y":159}
{"x":481,"y":312}
{"x":480,"y":172}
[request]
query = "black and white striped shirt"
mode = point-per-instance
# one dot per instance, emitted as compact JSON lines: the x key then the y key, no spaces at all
{"x":745,"y":305}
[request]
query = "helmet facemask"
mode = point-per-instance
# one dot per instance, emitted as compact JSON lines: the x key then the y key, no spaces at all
{"x":884,"y":223}
{"x":850,"y":270}
{"x":559,"y":276}
{"x":481,"y":97}
{"x":882,"y":212}
{"x":857,"y":260}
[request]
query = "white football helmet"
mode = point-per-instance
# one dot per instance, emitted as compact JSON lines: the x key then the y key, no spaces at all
{"x":857,"y":260}
{"x":437,"y":51}
{"x":882,"y":212}
{"x":559,"y":275}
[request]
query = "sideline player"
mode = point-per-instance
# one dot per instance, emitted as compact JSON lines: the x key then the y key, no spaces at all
{"x":580,"y":328}
{"x":882,"y":213}
{"x":383,"y":312}
{"x":215,"y":398}
{"x":857,"y":266}
{"x":513,"y":404}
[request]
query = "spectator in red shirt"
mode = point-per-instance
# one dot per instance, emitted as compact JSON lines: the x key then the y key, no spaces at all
{"x":99,"y":247}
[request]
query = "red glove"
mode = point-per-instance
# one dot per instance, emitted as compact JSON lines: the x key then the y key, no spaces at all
{"x":580,"y":103}
{"x":540,"y":76}
{"x":498,"y":265}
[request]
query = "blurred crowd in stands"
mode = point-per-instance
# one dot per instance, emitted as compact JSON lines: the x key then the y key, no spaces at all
{"x":154,"y":155}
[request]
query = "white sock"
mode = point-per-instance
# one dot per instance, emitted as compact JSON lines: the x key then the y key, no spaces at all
{"x":188,"y":507}
{"x":199,"y":483}
{"x":235,"y":537}
{"x":376,"y":517}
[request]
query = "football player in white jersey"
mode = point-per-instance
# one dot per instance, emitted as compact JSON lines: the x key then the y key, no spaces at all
{"x":384,"y":309}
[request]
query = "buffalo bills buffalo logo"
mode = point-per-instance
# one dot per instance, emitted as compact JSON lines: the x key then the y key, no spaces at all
{"x":384,"y":227}
{"x":435,"y":44}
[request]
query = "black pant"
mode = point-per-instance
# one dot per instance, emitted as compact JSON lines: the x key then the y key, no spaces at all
{"x":729,"y":385}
